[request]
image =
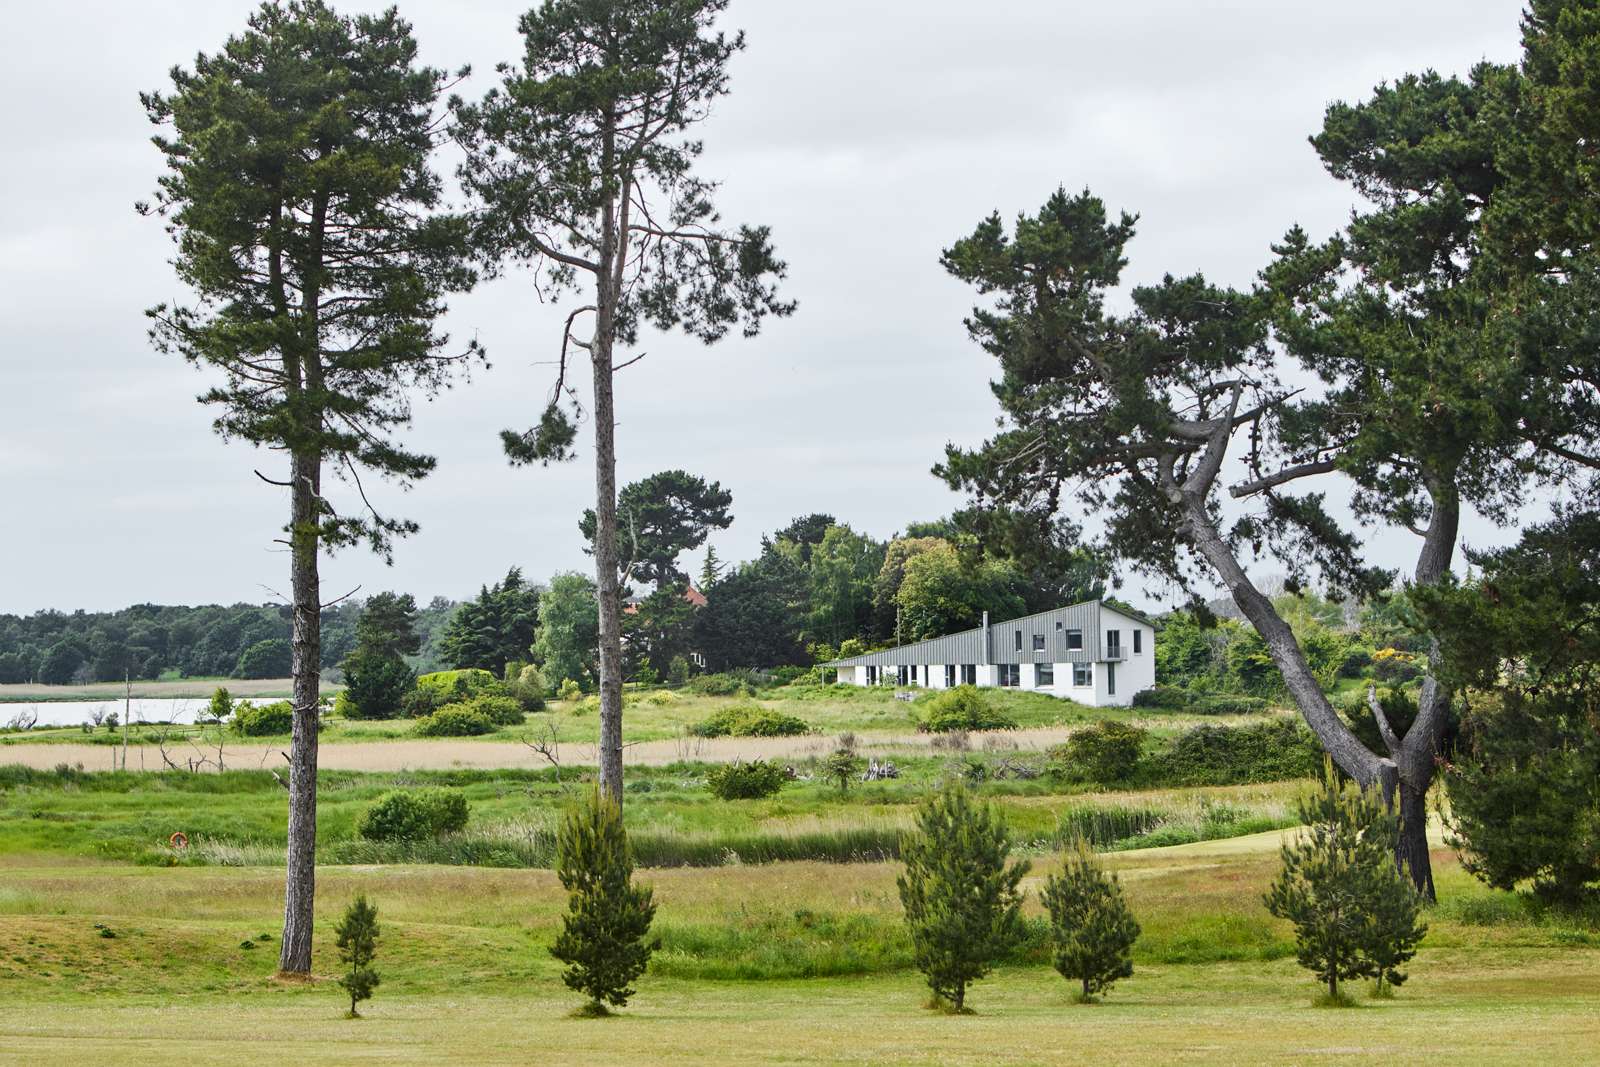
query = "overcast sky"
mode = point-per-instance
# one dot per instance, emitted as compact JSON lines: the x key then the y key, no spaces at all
{"x":869,"y":134}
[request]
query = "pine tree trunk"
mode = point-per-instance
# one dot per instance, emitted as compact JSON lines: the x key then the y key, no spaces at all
{"x":605,"y":562}
{"x":299,"y":894}
{"x":1411,"y":850}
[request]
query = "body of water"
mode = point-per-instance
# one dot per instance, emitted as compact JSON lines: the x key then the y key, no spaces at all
{"x":139,"y":709}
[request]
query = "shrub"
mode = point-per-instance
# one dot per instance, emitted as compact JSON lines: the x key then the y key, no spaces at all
{"x":264,"y":720}
{"x":745,"y":781}
{"x":423,"y":701}
{"x":841,"y":766}
{"x":570,"y":690}
{"x":413,"y":815}
{"x":750,"y":720}
{"x":357,"y":936}
{"x":1166,"y":697}
{"x":1229,"y":704}
{"x":527,"y":687}
{"x":603,"y":935}
{"x":454,"y":686}
{"x":1090,"y":925}
{"x":498,"y":708}
{"x":1106,"y":752}
{"x":962,"y":708}
{"x":727,"y":683}
{"x":1270,"y":751}
{"x":963,"y":908}
{"x":1354,"y":913}
{"x":454,"y":720}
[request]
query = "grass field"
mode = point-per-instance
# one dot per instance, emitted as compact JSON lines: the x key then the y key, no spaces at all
{"x":786,"y":963}
{"x":781,"y":928}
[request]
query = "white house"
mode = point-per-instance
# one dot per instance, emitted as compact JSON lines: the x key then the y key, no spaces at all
{"x":1091,"y":653}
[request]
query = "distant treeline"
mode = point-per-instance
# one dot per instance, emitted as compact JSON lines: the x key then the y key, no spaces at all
{"x":149,"y":641}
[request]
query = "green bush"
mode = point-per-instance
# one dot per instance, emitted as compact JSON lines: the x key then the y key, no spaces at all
{"x":423,"y":701}
{"x":498,"y":708}
{"x":1173,"y":698}
{"x":570,"y":690}
{"x":1107,"y":752}
{"x":375,"y":686}
{"x":1271,"y":751}
{"x":1165,"y":697}
{"x":725,"y":684}
{"x":454,"y":686}
{"x":750,"y":720}
{"x":414,"y":815}
{"x":527,"y":687}
{"x":454,"y":720}
{"x":264,"y":720}
{"x":746,"y":781}
{"x":962,"y":708}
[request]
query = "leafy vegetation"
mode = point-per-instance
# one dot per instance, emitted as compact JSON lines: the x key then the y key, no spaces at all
{"x":414,"y":815}
{"x":744,"y":781}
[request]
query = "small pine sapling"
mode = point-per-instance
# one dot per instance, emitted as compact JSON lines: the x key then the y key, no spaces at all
{"x":1090,"y":925}
{"x":962,"y":904}
{"x":1354,"y":913}
{"x":603,"y":937}
{"x":358,"y":947}
{"x":841,"y":767}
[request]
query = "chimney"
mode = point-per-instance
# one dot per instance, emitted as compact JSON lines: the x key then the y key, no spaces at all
{"x":986,"y":655}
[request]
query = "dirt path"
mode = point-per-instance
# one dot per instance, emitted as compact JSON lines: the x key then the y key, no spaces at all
{"x":444,"y":754}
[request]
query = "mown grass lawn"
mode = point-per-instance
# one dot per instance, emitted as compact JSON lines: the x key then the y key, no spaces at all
{"x":784,"y":963}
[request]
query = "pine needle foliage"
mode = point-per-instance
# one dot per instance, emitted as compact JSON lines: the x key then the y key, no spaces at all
{"x":1091,"y":928}
{"x":1355,"y":914}
{"x":961,"y":898}
{"x":604,"y":934}
{"x":358,"y":946}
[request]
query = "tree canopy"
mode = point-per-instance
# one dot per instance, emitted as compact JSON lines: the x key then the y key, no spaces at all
{"x":658,"y":519}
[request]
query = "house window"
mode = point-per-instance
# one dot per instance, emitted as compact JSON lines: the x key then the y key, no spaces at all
{"x":913,"y":675}
{"x":1038,"y":642}
{"x":1074,"y":640}
{"x":949,"y":675}
{"x":1081,"y":676}
{"x":872,"y":676}
{"x":1138,"y":649}
{"x":969,"y":674}
{"x":1010,"y":674}
{"x":1019,"y":640}
{"x":1113,"y":644}
{"x":902,"y":675}
{"x":1111,"y":679}
{"x":1058,"y":625}
{"x":1046,"y":674}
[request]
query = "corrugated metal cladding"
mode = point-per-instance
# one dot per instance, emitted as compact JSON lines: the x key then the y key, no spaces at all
{"x":967,"y":646}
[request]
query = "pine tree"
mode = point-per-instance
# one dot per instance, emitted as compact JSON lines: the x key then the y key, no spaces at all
{"x":1354,"y":912}
{"x":711,"y":570}
{"x":961,"y":899}
{"x":358,"y":947}
{"x":1090,"y":923}
{"x":608,"y":918}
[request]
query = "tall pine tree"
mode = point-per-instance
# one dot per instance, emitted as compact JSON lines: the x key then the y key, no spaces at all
{"x":305,"y":214}
{"x":583,"y":162}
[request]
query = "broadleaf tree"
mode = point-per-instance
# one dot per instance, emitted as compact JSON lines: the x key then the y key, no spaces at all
{"x":582,"y":161}
{"x":310,"y":234}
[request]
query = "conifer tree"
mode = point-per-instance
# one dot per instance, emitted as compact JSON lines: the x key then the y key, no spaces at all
{"x":308,"y":228}
{"x":1355,"y":914}
{"x":961,"y":899}
{"x":583,"y":161}
{"x":358,"y":947}
{"x":1090,"y":924}
{"x":603,"y":936}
